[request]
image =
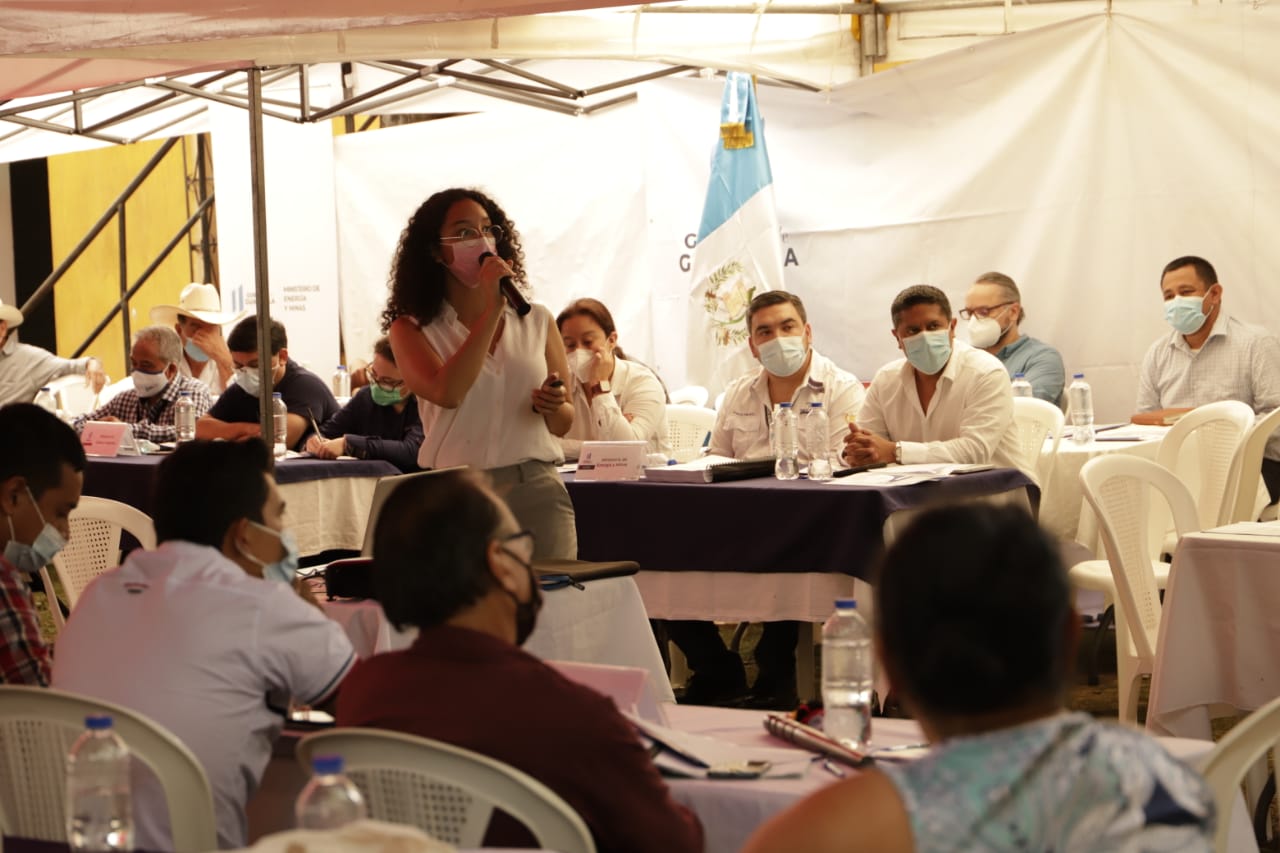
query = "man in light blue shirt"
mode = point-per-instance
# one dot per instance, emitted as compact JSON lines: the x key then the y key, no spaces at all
{"x":993,"y":311}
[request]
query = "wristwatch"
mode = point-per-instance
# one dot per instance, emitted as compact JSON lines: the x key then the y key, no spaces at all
{"x":897,"y":452}
{"x":603,"y":387}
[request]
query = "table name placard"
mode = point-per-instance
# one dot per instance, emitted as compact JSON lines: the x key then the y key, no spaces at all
{"x":611,"y":460}
{"x":108,"y":438}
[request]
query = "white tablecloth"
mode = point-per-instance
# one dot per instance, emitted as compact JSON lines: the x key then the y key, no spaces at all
{"x":1219,"y":632}
{"x":1060,"y":502}
{"x":328,"y":514}
{"x":604,"y":622}
{"x":731,"y":810}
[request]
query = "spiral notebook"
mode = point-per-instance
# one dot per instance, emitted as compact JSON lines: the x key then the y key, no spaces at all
{"x":711,"y":469}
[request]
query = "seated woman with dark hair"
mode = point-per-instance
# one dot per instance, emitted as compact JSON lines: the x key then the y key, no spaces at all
{"x":614,"y":398}
{"x":380,"y":422}
{"x":977,"y":632}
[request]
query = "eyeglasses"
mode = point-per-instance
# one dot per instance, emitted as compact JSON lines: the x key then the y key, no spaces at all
{"x":468,"y":233}
{"x":520,"y":536}
{"x":381,"y":381}
{"x":967,"y":313}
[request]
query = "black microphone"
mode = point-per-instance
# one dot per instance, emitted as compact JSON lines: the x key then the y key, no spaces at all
{"x":514,"y":297}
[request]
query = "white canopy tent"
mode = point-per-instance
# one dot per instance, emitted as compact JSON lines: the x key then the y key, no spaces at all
{"x":1078,"y":154}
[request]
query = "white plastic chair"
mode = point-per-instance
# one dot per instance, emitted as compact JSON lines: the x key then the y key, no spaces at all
{"x":74,"y":396}
{"x":1034,"y":420}
{"x":1118,"y":489}
{"x":1219,"y":428}
{"x":690,"y":395}
{"x":38,"y":726}
{"x":719,"y":401}
{"x":94,"y":546}
{"x":1243,"y":502}
{"x":444,"y":790}
{"x":687,"y":427}
{"x":1235,"y":756}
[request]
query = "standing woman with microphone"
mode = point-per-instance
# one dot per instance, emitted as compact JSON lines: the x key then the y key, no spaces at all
{"x":489,"y":379}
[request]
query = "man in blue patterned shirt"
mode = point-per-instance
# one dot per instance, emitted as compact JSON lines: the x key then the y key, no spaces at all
{"x":149,"y":405}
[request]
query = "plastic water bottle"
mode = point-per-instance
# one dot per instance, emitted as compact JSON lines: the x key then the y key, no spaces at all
{"x":46,"y":400}
{"x":330,"y":800}
{"x":1080,"y":401}
{"x":99,"y":805}
{"x":1021,"y":387}
{"x":184,"y":417}
{"x":785,"y":445}
{"x":847,"y":676}
{"x":280,"y":419}
{"x":341,"y":381}
{"x":816,"y":435}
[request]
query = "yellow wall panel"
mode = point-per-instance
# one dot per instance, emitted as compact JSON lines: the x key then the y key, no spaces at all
{"x":81,"y":187}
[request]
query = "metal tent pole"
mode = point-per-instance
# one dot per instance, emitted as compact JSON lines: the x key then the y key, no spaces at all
{"x":260,"y":278}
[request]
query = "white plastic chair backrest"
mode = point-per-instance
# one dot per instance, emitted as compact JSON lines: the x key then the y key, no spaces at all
{"x":690,"y":395}
{"x":1233,"y":756}
{"x":37,"y":728}
{"x":75,"y":397}
{"x":444,"y":790}
{"x":1034,"y":421}
{"x":1219,"y":428}
{"x":94,"y":545}
{"x":719,"y":401}
{"x":1246,"y":471}
{"x":1118,"y":488}
{"x":383,"y":490}
{"x":115,"y":389}
{"x":687,"y":426}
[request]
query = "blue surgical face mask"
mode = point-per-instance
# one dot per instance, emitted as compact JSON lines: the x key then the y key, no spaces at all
{"x":928,"y":352}
{"x":195,"y":352}
{"x":1185,"y":313}
{"x":34,"y":557}
{"x":284,"y":569}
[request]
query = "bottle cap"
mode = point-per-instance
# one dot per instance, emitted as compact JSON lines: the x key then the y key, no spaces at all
{"x":846,"y":604}
{"x":1019,"y":376}
{"x":326,"y":765}
{"x":815,"y":405}
{"x":1077,"y":376}
{"x":97,"y":722}
{"x":277,"y":395}
{"x":47,"y":388}
{"x":784,"y":405}
{"x":184,"y":393}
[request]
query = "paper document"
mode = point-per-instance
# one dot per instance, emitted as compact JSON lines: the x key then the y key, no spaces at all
{"x":691,"y":755}
{"x":907,"y":475}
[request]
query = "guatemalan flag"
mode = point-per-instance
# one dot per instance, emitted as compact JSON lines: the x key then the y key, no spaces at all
{"x":739,"y":248}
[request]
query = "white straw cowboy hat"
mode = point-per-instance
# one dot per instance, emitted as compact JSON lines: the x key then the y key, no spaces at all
{"x":11,"y":315}
{"x":200,"y":301}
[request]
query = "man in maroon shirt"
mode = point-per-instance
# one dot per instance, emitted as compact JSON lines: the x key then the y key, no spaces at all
{"x":450,"y":560}
{"x":41,"y":465}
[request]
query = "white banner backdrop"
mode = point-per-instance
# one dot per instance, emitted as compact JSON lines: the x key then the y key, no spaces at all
{"x":301,"y":248}
{"x":569,"y":184}
{"x":1078,"y":158}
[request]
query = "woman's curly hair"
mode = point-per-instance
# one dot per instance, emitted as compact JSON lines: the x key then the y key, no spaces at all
{"x":418,"y":279}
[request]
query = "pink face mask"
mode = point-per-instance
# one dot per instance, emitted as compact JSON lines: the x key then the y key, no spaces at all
{"x":466,"y":259}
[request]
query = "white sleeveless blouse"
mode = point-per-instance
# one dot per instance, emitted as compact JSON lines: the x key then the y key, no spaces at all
{"x":495,"y":425}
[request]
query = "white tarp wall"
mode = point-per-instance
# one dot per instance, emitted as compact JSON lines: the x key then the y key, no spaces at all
{"x":1078,"y":158}
{"x":302,"y":246}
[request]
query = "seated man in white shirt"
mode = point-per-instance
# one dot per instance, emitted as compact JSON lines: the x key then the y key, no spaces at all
{"x":1209,"y":356}
{"x":209,"y":635}
{"x":791,"y":371}
{"x":944,"y":402}
{"x":198,"y":319}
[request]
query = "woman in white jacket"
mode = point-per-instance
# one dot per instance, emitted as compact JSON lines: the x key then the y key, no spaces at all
{"x":614,"y":398}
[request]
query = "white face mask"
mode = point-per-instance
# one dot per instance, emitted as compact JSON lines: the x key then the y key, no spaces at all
{"x":580,"y":362}
{"x":984,"y":332}
{"x":466,"y":259}
{"x":149,"y":384}
{"x":34,"y":557}
{"x":783,"y":356}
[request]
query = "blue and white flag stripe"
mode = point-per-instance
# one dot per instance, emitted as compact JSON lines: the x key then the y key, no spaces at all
{"x":739,"y":250}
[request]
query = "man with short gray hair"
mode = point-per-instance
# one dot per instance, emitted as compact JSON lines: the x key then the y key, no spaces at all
{"x":157,"y":384}
{"x":993,"y":311}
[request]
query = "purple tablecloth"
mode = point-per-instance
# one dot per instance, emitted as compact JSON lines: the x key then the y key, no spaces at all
{"x":762,"y":525}
{"x":131,"y":479}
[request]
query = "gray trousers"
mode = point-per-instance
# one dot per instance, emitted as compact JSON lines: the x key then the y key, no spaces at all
{"x":539,"y":501}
